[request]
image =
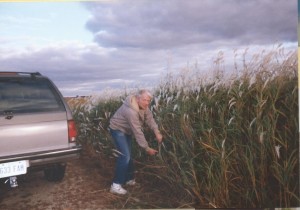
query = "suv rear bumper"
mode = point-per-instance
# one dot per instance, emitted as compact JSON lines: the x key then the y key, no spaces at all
{"x":46,"y":157}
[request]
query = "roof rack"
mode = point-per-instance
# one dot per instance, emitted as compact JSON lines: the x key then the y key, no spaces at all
{"x":32,"y":74}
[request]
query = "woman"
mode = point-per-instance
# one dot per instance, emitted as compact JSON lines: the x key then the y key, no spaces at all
{"x":128,"y":121}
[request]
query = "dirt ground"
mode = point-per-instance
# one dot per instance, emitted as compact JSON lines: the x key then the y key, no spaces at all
{"x":85,"y":186}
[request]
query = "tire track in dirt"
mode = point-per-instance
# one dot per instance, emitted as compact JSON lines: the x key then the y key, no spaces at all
{"x":83,"y":187}
{"x":86,"y":186}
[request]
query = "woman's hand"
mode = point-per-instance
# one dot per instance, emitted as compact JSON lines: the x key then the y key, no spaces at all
{"x":151,"y":151}
{"x":159,"y":137}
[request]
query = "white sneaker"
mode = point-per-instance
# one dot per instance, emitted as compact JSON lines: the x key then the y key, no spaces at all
{"x":131,"y":182}
{"x":118,"y":189}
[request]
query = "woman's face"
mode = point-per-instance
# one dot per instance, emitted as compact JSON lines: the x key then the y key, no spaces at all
{"x":143,"y":101}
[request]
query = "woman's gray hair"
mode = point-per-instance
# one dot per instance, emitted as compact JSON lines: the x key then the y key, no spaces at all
{"x":144,"y":91}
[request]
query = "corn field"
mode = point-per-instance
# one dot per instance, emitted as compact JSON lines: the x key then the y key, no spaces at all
{"x":228,"y":143}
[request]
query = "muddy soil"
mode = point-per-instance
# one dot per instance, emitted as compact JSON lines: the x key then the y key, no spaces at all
{"x":85,"y":186}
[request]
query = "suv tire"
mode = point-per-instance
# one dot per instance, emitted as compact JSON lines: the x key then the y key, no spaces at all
{"x":55,"y":173}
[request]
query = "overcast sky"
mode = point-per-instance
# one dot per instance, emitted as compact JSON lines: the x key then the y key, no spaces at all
{"x":85,"y":47}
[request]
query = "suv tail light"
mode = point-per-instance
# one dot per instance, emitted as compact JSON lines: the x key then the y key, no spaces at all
{"x":72,"y":131}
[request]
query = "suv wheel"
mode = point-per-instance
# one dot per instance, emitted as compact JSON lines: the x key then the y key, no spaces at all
{"x":55,"y":173}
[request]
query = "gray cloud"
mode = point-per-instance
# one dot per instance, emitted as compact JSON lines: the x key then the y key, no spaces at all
{"x":138,"y":41}
{"x":169,"y":24}
{"x":88,"y":68}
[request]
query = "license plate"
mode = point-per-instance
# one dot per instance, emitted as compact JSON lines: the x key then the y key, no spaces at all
{"x":13,"y":168}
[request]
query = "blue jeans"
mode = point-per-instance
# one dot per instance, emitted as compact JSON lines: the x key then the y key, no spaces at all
{"x":124,"y":165}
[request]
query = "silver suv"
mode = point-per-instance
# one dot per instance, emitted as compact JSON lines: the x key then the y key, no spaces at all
{"x":36,"y":127}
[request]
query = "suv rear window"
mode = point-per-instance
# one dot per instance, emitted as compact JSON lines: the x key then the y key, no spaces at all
{"x":24,"y":95}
